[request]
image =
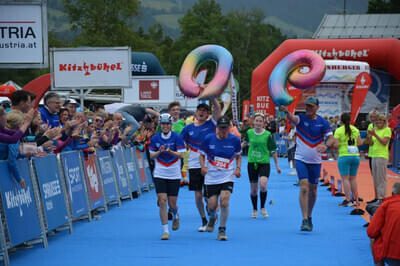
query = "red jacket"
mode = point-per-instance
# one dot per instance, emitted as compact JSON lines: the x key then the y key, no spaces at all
{"x":385,"y":229}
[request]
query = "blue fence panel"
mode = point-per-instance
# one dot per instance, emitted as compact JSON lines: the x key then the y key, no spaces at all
{"x":106,"y":169}
{"x":139,"y":169}
{"x":51,"y":191}
{"x":19,"y":204}
{"x":280,"y":144}
{"x":120,"y":173}
{"x":131,"y":168}
{"x":74,"y":181}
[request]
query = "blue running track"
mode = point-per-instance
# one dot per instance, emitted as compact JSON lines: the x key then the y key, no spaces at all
{"x":130,"y":235}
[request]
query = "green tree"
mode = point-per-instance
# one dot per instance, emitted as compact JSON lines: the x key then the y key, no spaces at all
{"x":383,"y":6}
{"x":103,"y":22}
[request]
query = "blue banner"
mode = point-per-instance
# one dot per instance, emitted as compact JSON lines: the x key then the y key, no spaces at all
{"x":281,"y":147}
{"x":105,"y":164}
{"x":131,"y":167}
{"x":120,"y":173}
{"x":74,"y":182}
{"x":19,"y":204}
{"x":51,"y":191}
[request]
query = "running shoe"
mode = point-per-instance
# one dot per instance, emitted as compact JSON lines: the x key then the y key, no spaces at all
{"x":310,"y":223}
{"x":222,"y":235}
{"x":254,"y":214}
{"x":372,"y":201}
{"x":165,"y":236}
{"x":293,"y":172}
{"x":211,"y":224}
{"x":175,"y":223}
{"x":264,"y":213}
{"x":346,"y":203}
{"x":202,"y":228}
{"x":305,"y":225}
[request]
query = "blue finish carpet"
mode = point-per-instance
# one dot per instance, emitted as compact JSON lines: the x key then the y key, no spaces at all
{"x":130,"y":235}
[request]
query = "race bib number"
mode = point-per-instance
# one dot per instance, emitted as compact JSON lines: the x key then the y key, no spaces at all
{"x":352,"y":149}
{"x":221,"y":163}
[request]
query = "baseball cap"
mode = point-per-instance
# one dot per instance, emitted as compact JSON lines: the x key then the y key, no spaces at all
{"x":223,"y":121}
{"x":72,"y":101}
{"x":312,"y":101}
{"x":203,"y":105}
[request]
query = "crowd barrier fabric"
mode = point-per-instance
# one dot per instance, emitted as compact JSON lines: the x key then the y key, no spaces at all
{"x":94,"y":184}
{"x":21,"y":209}
{"x":120,"y":173}
{"x":281,"y":145}
{"x":52,"y":192}
{"x":75,"y":182}
{"x":3,"y":245}
{"x":111,"y":190}
{"x":131,"y":170}
{"x":144,"y":184}
{"x":147,"y":170}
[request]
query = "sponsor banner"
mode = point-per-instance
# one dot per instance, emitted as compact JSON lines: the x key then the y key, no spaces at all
{"x":158,"y":90}
{"x":131,"y":168}
{"x":360,"y":90}
{"x":264,"y":104}
{"x":140,"y":162}
{"x":281,"y":145}
{"x":74,"y":181}
{"x":245,"y":108}
{"x":106,"y":170}
{"x":146,"y":167}
{"x":149,"y":90}
{"x":120,"y":173}
{"x":106,"y":67}
{"x":234,"y":89}
{"x":51,"y":191}
{"x":343,"y":71}
{"x":330,"y":98}
{"x":93,"y":181}
{"x":19,"y":204}
{"x":23,"y":35}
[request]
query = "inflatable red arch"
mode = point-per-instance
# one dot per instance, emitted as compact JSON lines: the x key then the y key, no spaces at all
{"x":379,"y":53}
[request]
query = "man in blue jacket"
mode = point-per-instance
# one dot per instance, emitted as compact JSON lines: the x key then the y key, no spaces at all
{"x":49,"y":112}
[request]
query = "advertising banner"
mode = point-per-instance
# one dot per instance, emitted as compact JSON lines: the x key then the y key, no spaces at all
{"x":131,"y":168}
{"x":19,"y":204}
{"x":143,"y":179}
{"x":360,"y":90}
{"x":120,"y":173}
{"x":343,"y":71}
{"x":151,"y":89}
{"x":94,"y":186}
{"x":23,"y":35}
{"x":51,"y":191}
{"x":74,"y":181}
{"x":146,"y":167}
{"x":102,"y":67}
{"x":245,"y":108}
{"x":106,"y":169}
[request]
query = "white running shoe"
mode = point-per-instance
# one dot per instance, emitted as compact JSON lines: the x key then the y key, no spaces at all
{"x":202,"y":228}
{"x":264,"y":213}
{"x":254,"y":214}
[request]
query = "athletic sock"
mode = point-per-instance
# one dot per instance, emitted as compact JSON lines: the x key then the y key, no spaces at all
{"x":204,"y":221}
{"x":254,"y":201}
{"x":165,"y":228}
{"x":174,"y":212}
{"x":263,"y":198}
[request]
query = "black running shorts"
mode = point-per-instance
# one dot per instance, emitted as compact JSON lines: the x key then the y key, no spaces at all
{"x":196,"y":179}
{"x":168,"y":186}
{"x":263,"y":169}
{"x":211,"y":190}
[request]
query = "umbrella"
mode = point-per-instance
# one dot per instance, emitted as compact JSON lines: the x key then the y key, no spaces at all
{"x":113,"y":107}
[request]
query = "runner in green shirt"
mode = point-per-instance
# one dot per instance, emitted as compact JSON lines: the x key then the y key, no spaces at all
{"x":261,"y":146}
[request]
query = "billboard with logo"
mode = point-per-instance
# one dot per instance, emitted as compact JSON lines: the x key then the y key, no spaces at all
{"x":89,"y":67}
{"x":23,"y":35}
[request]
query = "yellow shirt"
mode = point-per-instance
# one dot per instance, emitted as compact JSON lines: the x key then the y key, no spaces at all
{"x":344,"y":148}
{"x":377,"y":149}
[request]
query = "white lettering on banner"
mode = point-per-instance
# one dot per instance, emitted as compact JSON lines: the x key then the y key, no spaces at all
{"x":73,"y":175}
{"x":130,"y":166}
{"x":105,"y":166}
{"x":339,"y":53}
{"x":343,"y":67}
{"x":87,"y":68}
{"x":139,"y":68}
{"x":108,"y":180}
{"x":120,"y":169}
{"x":77,"y":188}
{"x":49,"y":205}
{"x":17,"y":198}
{"x":93,"y":180}
{"x":263,"y":98}
{"x":262,"y":105}
{"x":51,"y":189}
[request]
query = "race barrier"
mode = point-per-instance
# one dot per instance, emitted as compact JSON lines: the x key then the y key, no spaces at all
{"x":63,"y":189}
{"x":281,"y":144}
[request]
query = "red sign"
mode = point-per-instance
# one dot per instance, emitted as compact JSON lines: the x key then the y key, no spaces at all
{"x":92,"y":178}
{"x":149,"y":89}
{"x":246,"y":108}
{"x":360,"y":90}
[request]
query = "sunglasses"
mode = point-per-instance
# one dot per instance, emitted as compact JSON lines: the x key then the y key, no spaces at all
{"x":99,"y":120}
